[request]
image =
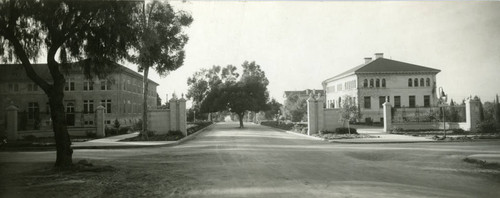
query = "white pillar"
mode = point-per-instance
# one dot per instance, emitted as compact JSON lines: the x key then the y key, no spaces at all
{"x":472,"y":114}
{"x":311,"y":116}
{"x":173,"y":115}
{"x":99,"y":121}
{"x":387,"y":117}
{"x":12,"y":123}
{"x":182,"y":116}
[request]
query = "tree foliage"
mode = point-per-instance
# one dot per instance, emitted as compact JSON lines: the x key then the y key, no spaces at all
{"x":159,"y":43}
{"x":248,"y":93}
{"x":64,"y":31}
{"x":274,"y":108}
{"x":295,"y":108}
{"x":349,"y":111}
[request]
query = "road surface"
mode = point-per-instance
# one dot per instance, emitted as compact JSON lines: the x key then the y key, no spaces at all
{"x":258,"y":161}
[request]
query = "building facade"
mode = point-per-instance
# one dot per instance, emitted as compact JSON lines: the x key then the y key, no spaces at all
{"x":120,"y":92}
{"x":369,"y":85}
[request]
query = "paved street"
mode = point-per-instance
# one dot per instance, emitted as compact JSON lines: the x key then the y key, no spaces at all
{"x":258,"y":161}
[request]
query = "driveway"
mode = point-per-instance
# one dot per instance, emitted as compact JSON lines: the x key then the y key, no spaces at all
{"x":257,"y":161}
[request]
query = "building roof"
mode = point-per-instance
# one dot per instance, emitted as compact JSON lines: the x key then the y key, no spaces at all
{"x":16,"y":72}
{"x":303,"y":92}
{"x":382,"y":65}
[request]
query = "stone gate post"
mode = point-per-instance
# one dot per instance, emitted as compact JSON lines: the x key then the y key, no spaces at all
{"x":472,"y":114}
{"x":12,"y":122}
{"x":182,"y":116}
{"x":320,"y":109}
{"x":99,"y":121}
{"x":311,"y":115}
{"x":173,"y":115}
{"x":387,"y":116}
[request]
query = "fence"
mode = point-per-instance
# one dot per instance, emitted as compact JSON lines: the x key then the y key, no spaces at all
{"x":428,"y":114}
{"x":455,"y":117}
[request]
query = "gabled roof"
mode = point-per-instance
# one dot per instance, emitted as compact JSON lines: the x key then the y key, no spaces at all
{"x":382,"y":65}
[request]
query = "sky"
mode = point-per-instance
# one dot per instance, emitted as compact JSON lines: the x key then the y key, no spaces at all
{"x":301,"y":43}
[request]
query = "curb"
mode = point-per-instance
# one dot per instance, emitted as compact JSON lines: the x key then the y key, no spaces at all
{"x":388,"y":142}
{"x":166,"y":144}
{"x":303,"y":135}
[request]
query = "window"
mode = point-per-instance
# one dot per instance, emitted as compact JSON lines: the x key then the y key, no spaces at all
{"x":397,"y":101}
{"x":70,"y":85}
{"x":88,"y":85}
{"x":428,"y":82}
{"x":412,"y":101}
{"x":371,"y":82}
{"x":377,"y":83}
{"x":16,"y":87}
{"x":422,"y":82}
{"x":410,"y":82}
{"x":70,"y":108}
{"x":88,"y":106}
{"x":427,"y":101}
{"x":332,"y":104}
{"x":383,"y":82}
{"x":11,"y":87}
{"x":108,"y":122}
{"x":415,"y":82}
{"x":105,"y":85}
{"x":89,"y":122}
{"x":107,"y":105}
{"x":381,"y":100}
{"x":33,"y":110}
{"x":367,"y":102}
{"x":32,"y":87}
{"x":340,"y":102}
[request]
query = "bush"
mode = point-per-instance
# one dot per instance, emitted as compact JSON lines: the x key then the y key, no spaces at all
{"x":280,"y":125}
{"x":90,"y":134}
{"x":137,"y":126}
{"x":198,"y":126}
{"x":124,"y":130}
{"x":458,"y":131}
{"x":110,"y":131}
{"x":487,"y":127}
{"x":116,"y":124}
{"x":30,"y":138}
{"x":345,"y":130}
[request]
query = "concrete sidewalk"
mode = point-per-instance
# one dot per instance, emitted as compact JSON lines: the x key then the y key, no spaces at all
{"x":114,"y":142}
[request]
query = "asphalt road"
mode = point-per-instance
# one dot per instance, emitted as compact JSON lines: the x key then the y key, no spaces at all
{"x":258,"y":161}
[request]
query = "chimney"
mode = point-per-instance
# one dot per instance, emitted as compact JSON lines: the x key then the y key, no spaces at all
{"x":368,"y":59}
{"x":379,"y":55}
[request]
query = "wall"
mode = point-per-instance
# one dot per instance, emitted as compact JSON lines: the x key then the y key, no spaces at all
{"x":164,"y":120}
{"x":472,"y":118}
{"x":320,"y":118}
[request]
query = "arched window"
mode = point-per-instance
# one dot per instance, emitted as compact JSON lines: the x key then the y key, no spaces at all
{"x":371,"y":82}
{"x":410,"y":82}
{"x":333,"y":104}
{"x":377,"y":83}
{"x":383,"y":82}
{"x":415,"y":82}
{"x":422,"y":82}
{"x":428,"y":82}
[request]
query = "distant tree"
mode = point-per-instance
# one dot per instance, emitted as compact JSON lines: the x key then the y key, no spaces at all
{"x":158,"y":100}
{"x":201,"y":82}
{"x":496,"y":111}
{"x":349,"y":111}
{"x":64,"y":31}
{"x":274,"y":109}
{"x":295,"y":108}
{"x":249,"y":93}
{"x":159,"y":44}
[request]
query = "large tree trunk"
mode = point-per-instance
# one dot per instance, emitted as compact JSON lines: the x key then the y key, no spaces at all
{"x":61,"y":136}
{"x":145,"y":82}
{"x":240,"y":117}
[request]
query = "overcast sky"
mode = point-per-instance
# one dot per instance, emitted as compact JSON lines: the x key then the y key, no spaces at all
{"x":301,"y":43}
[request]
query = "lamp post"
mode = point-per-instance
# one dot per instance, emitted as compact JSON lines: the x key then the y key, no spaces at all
{"x":442,"y":99}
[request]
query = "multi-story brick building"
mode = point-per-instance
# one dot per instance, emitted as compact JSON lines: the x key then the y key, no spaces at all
{"x":120,"y":92}
{"x":370,"y":84}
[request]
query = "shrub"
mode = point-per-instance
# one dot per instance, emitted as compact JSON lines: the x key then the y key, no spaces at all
{"x":487,"y":127}
{"x":124,"y":130}
{"x":30,"y":138}
{"x":458,"y":131}
{"x":110,"y":131}
{"x":345,"y":130}
{"x":138,"y":125}
{"x":116,"y":124}
{"x":90,"y":134}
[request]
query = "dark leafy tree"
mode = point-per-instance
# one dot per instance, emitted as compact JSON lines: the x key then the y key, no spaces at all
{"x":65,"y":31}
{"x":249,"y":93}
{"x":274,"y":109}
{"x":159,"y":44}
